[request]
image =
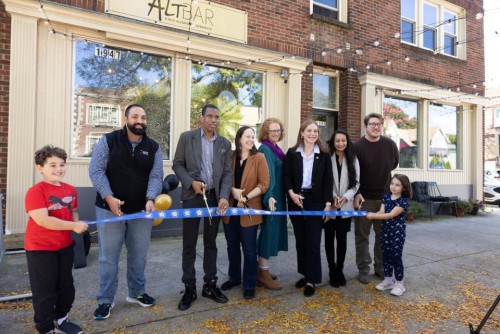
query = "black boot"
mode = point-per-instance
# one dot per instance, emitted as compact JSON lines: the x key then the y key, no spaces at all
{"x":340,"y":276}
{"x":334,"y":279}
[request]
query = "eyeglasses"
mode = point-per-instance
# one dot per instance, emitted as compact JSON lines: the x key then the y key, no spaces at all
{"x":375,"y":125}
{"x":275,"y":131}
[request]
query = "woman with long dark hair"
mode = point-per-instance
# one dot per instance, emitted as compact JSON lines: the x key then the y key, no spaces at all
{"x":345,"y":168}
{"x":250,"y":181}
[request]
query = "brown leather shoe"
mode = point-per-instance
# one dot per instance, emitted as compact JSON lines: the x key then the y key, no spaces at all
{"x":267,"y":281}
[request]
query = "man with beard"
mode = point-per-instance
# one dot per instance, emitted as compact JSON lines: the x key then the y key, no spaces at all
{"x":126,"y":170}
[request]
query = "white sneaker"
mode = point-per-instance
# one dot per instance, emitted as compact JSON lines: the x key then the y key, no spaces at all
{"x":398,"y":289}
{"x":386,"y":284}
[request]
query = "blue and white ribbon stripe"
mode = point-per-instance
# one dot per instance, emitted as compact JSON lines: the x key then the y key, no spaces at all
{"x":203,"y":212}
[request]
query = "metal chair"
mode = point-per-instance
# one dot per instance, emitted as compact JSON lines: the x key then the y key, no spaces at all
{"x":428,"y":193}
{"x":437,"y":197}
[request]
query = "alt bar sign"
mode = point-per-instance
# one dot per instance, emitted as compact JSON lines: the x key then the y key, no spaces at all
{"x":201,"y":17}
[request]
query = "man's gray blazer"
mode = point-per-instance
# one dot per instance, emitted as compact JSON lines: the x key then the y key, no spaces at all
{"x":187,"y":164}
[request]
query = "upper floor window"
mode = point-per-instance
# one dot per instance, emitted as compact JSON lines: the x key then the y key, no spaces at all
{"x":328,"y":8}
{"x":432,"y":25}
{"x":103,"y":114}
{"x":332,"y":9}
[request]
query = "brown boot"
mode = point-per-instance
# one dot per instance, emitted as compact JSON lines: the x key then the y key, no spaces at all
{"x":266,"y":280}
{"x":273,"y":276}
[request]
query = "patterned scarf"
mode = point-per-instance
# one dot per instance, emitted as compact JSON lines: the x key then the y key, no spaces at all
{"x":275,"y":148}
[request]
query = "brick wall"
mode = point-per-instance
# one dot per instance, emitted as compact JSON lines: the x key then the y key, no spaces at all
{"x":4,"y":95}
{"x":286,"y":26}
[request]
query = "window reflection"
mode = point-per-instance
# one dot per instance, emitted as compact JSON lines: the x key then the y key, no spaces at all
{"x":443,"y":133}
{"x":107,"y":79}
{"x":237,"y":94}
{"x":401,"y":125}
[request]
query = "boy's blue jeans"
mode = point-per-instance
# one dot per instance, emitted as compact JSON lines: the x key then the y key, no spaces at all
{"x":136,"y":235}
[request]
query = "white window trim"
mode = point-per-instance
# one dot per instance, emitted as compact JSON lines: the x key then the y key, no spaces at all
{"x":337,"y":88}
{"x":342,"y":9}
{"x":103,"y":105}
{"x":442,"y":7}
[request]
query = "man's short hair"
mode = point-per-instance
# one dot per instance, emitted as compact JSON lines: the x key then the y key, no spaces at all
{"x":373,"y":115}
{"x":206,"y":106}
{"x":127,"y":110}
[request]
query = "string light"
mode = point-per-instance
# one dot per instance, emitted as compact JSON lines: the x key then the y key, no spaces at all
{"x":358,"y":51}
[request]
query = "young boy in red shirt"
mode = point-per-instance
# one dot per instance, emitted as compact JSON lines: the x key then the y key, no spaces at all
{"x":51,"y":205}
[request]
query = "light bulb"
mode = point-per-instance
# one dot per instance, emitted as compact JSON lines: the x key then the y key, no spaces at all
{"x":376,"y":43}
{"x":397,"y":35}
{"x":323,"y":53}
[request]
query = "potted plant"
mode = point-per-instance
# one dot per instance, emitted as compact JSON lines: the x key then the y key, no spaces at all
{"x":476,"y":205}
{"x":414,"y":208}
{"x":463,"y":206}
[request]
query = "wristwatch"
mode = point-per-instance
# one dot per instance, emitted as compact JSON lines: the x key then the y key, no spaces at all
{"x":150,"y":199}
{"x":328,"y":204}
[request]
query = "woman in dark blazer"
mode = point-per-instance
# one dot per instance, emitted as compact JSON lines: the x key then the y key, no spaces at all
{"x":250,"y":182}
{"x":308,"y":179}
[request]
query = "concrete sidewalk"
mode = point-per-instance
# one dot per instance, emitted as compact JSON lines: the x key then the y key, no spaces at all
{"x":452,"y":276}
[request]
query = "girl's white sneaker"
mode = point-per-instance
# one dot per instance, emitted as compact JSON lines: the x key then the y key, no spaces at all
{"x":386,"y":284}
{"x":398,"y":289}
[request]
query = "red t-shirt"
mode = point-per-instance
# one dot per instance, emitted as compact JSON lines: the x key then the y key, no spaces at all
{"x":60,"y":201}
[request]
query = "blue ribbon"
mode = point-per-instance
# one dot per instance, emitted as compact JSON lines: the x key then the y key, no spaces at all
{"x":203,"y":212}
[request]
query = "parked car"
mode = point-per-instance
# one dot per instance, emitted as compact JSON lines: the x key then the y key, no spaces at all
{"x":491,"y":188}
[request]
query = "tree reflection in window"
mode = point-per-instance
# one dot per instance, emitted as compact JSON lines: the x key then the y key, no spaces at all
{"x":109,"y":79}
{"x":401,"y":125}
{"x":237,"y":94}
{"x":443,"y":132}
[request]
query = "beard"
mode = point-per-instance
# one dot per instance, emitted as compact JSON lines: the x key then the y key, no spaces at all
{"x":137,"y":129}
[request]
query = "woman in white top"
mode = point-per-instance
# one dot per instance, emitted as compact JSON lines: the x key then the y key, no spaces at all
{"x":345,"y":169}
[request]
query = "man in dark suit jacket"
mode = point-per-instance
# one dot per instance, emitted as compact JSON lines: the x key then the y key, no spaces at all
{"x":202,"y":162}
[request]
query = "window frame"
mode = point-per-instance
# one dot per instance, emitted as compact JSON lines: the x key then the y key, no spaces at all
{"x":439,"y":28}
{"x":331,"y":113}
{"x":341,"y":10}
{"x":90,"y":106}
{"x":79,"y":141}
{"x":458,"y":137}
{"x":419,"y":124}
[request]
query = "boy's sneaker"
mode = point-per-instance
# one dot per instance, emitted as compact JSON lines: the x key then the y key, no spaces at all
{"x":398,"y":289}
{"x":386,"y":284}
{"x":67,"y":327}
{"x":144,"y":300}
{"x":103,"y":311}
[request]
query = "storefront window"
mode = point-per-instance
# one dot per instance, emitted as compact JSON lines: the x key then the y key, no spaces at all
{"x":401,"y":125}
{"x":443,"y":134}
{"x":107,"y":79}
{"x":325,"y":104}
{"x":237,"y":94}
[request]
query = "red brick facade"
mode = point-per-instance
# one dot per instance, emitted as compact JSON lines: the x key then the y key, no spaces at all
{"x":4,"y":95}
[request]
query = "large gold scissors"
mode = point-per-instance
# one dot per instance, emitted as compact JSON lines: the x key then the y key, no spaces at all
{"x":204,"y":188}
